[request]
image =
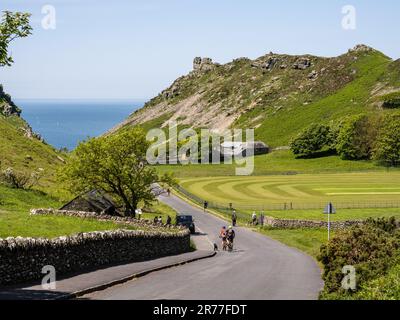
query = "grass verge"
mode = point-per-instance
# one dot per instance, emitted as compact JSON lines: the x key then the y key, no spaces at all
{"x":306,"y":240}
{"x":15,"y":220}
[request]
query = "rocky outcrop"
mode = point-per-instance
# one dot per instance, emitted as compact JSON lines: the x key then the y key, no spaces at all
{"x":302,"y":64}
{"x":267,"y":65}
{"x":251,"y":92}
{"x":202,"y":64}
{"x":361,"y":48}
{"x":172,"y":91}
{"x":7,"y":106}
{"x":28,"y":133}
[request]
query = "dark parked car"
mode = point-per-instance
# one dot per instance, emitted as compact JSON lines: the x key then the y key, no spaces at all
{"x":186,"y":221}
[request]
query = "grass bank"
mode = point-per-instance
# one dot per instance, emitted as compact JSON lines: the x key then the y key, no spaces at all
{"x":306,"y":240}
{"x":15,"y":206}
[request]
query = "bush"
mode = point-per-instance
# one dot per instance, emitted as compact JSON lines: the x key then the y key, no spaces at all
{"x":386,"y":287}
{"x":357,"y":137}
{"x":19,"y":180}
{"x":311,"y":141}
{"x":387,"y":148}
{"x":391,"y":101}
{"x":371,"y":248}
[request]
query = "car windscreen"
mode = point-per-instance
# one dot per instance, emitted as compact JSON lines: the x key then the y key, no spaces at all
{"x":184,"y":219}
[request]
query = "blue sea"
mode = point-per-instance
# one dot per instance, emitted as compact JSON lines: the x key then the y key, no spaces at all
{"x":64,"y":123}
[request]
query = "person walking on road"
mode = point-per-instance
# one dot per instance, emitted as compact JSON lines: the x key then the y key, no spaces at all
{"x":262,"y":218}
{"x":234,"y":218}
{"x":254,"y":218}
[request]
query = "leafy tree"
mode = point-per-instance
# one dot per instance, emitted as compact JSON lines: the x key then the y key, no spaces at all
{"x":311,"y":140}
{"x":115,"y":165}
{"x":357,"y":137}
{"x":387,"y":148}
{"x":13,"y":25}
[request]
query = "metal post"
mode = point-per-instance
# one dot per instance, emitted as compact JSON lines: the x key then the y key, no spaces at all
{"x":329,"y":226}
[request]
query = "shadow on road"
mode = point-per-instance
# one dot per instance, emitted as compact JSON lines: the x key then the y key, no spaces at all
{"x":20,"y":294}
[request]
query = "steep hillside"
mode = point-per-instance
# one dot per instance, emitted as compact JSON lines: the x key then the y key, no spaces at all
{"x":20,"y":147}
{"x":276,"y":94}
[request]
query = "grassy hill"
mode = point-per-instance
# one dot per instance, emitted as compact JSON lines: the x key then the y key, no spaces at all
{"x":276,"y":94}
{"x":22,"y":149}
{"x":25,"y":151}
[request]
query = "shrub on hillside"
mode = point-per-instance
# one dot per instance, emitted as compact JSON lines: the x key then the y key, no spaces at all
{"x":386,"y":287}
{"x":391,"y":101}
{"x":357,"y":137}
{"x":371,"y":248}
{"x":19,"y":180}
{"x":387,"y":148}
{"x":311,"y":141}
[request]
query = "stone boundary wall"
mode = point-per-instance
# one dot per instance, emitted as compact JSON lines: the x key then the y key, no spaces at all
{"x":293,"y":224}
{"x":92,"y":215}
{"x":22,"y":259}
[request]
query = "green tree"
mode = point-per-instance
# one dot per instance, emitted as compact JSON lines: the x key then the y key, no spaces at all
{"x":115,"y":165}
{"x":357,"y":137}
{"x":13,"y":25}
{"x":311,"y":140}
{"x":387,"y":148}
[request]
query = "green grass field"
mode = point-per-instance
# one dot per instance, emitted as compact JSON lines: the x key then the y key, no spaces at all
{"x":356,"y":195}
{"x":15,"y":220}
{"x":277,"y":162}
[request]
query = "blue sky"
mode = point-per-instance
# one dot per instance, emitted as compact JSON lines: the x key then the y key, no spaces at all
{"x":127,"y":49}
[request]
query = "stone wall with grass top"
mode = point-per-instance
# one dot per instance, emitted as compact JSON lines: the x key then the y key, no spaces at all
{"x":143,"y":223}
{"x":295,"y":224}
{"x":22,"y":259}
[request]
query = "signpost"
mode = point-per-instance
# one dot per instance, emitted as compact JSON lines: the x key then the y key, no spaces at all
{"x":329,"y":210}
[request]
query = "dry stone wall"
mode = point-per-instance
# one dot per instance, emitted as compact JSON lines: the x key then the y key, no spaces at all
{"x":293,"y":224}
{"x":22,"y":259}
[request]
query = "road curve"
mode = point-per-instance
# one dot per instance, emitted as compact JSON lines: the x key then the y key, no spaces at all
{"x":258,"y":269}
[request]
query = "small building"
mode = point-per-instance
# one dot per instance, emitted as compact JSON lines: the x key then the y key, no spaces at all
{"x":244,"y":149}
{"x":92,"y":201}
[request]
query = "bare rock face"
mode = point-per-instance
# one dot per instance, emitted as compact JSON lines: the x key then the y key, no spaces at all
{"x":7,"y":106}
{"x":302,"y":64}
{"x":268,"y":64}
{"x":202,"y":64}
{"x":28,"y":133}
{"x":271,"y":62}
{"x":313,"y":75}
{"x":361,"y":48}
{"x":8,"y":109}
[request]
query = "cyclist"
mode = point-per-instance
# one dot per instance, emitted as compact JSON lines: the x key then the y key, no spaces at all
{"x":222,"y":236}
{"x":230,"y":235}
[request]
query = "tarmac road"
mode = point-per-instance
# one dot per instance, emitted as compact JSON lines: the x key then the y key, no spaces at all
{"x":259,"y":268}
